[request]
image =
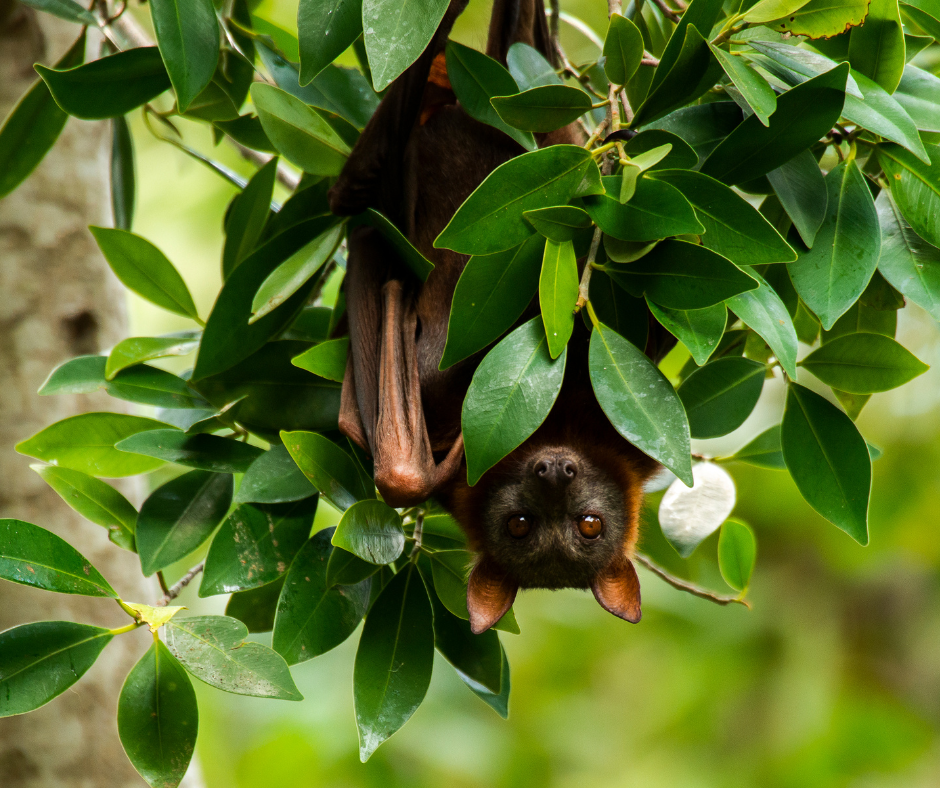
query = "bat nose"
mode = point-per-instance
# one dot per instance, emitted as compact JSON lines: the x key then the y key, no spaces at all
{"x":556,"y":471}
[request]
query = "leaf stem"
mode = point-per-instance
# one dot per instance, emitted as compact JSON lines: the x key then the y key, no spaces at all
{"x":162,"y":580}
{"x":584,"y":287}
{"x":128,"y":628}
{"x":690,"y":588}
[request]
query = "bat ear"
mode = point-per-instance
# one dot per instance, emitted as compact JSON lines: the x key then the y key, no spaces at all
{"x":490,"y":593}
{"x":617,"y":589}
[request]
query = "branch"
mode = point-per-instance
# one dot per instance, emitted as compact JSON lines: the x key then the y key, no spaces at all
{"x":184,"y":581}
{"x":667,"y":11}
{"x":690,"y":588}
{"x":584,"y":288}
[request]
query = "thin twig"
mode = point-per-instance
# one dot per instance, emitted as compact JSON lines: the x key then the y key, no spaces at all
{"x":690,"y":588}
{"x":649,"y":60}
{"x":162,"y":581}
{"x":177,"y":587}
{"x":584,"y":288}
{"x":667,"y":11}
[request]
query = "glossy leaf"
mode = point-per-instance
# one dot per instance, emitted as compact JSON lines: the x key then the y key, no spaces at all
{"x":491,"y":219}
{"x":822,"y":18}
{"x":123,"y":177}
{"x":328,"y":359}
{"x":417,"y":262}
{"x":764,"y":451}
{"x":41,"y":661}
{"x":372,"y":531}
{"x":542,"y":109}
{"x":639,"y":401}
{"x":833,"y":274}
{"x":95,"y":501}
{"x":529,"y":68}
{"x":344,"y":568}
{"x":558,"y":293}
{"x":733,"y":227}
{"x":312,"y":616}
{"x":560,"y":223}
{"x":877,"y":47}
{"x":158,"y":718}
{"x":915,"y":187}
{"x":255,"y":545}
{"x":804,"y":115}
{"x":247,"y":216}
{"x":701,"y":14}
{"x":498,"y":702}
{"x":206,"y":452}
{"x":179,"y":516}
{"x":828,"y":460}
{"x":916,"y":94}
{"x":110,"y":86}
{"x":476,"y":79}
{"x":737,"y":551}
{"x":756,"y":91}
{"x":450,"y":571}
{"x":274,"y":478}
{"x":396,"y":32}
{"x":145,"y":269}
{"x":720,"y":396}
{"x":763,"y":311}
{"x":618,"y":309}
{"x":256,"y":607}
{"x":702,"y":126}
{"x":682,"y":275}
{"x":325,"y":29}
{"x":64,"y":9}
{"x":86,"y":443}
{"x":656,"y":210}
{"x":135,"y":350}
{"x":331,"y":470}
{"x":33,"y":556}
{"x":769,"y":10}
{"x":298,"y":131}
{"x":688,"y":516}
{"x":393,"y":664}
{"x":864,"y":363}
{"x":681,"y":155}
{"x":214,"y":650}
{"x":801,"y":189}
{"x":35,"y":123}
{"x":623,"y":49}
{"x":511,"y":394}
{"x":188,"y":36}
{"x":700,"y":330}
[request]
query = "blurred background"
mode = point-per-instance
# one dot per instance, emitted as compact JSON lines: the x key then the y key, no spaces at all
{"x":831,"y":679}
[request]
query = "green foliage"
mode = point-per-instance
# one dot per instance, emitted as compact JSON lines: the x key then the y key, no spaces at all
{"x":760,"y":192}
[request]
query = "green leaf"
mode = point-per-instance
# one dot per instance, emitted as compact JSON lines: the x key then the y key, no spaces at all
{"x":703,"y":126}
{"x":915,"y":187}
{"x":109,"y":86}
{"x":188,"y":36}
{"x":618,"y":309}
{"x":328,"y":359}
{"x":701,"y":14}
{"x":450,"y":570}
{"x":214,"y":650}
{"x":331,"y":470}
{"x":720,"y":396}
{"x":476,"y":79}
{"x":179,"y":516}
{"x":86,"y":443}
{"x":733,"y":227}
{"x":737,"y":550}
{"x":312,"y":616}
{"x":877,"y":47}
{"x":123,"y":177}
{"x":764,"y":451}
{"x":42,"y":660}
{"x":255,"y":545}
{"x":64,"y":9}
{"x":862,"y":318}
{"x":756,"y":91}
{"x":95,"y":501}
{"x":498,"y":702}
{"x":274,"y":478}
{"x":763,"y":311}
{"x":206,"y":452}
{"x":511,"y":394}
{"x":560,"y":223}
{"x":34,"y":124}
{"x":396,"y":32}
{"x":828,"y":460}
{"x":626,"y":251}
{"x":822,"y":18}
{"x":700,"y":330}
{"x":639,"y":401}
{"x":529,"y":68}
{"x":491,"y":294}
{"x":294,"y":273}
{"x":417,"y":262}
{"x":656,"y":210}
{"x":255,"y":607}
{"x":345,"y":569}
{"x":864,"y":363}
{"x":299,"y":132}
{"x":247,"y":216}
{"x":542,"y":109}
{"x":833,"y":274}
{"x":145,"y":269}
{"x":907,"y":261}
{"x":33,"y":556}
{"x":682,"y":275}
{"x":325,"y":29}
{"x":801,"y":189}
{"x":804,"y":115}
{"x":694,"y":72}
{"x":248,"y":131}
{"x":158,"y":718}
{"x":623,"y":49}
{"x":491,"y":219}
{"x":916,"y":94}
{"x":681,"y":155}
{"x":769,"y":10}
{"x":558,"y":293}
{"x":135,"y":350}
{"x":393,"y":663}
{"x":372,"y":531}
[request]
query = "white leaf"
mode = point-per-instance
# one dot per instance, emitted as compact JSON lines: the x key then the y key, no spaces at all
{"x":688,"y":515}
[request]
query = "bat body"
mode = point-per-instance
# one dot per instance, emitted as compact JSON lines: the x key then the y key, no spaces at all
{"x":562,"y":509}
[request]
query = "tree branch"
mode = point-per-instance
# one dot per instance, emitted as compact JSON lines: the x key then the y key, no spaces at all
{"x":690,"y":588}
{"x":175,"y":590}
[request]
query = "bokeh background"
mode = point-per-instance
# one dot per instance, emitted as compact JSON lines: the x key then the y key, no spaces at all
{"x":831,"y":679}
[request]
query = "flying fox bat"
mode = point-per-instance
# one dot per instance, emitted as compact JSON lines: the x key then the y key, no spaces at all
{"x":562,"y":509}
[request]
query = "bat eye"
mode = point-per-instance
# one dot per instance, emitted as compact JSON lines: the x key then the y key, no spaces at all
{"x":590,"y":526}
{"x":518,"y":526}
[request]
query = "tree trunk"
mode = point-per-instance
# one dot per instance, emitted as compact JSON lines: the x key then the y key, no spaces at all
{"x":59,"y":300}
